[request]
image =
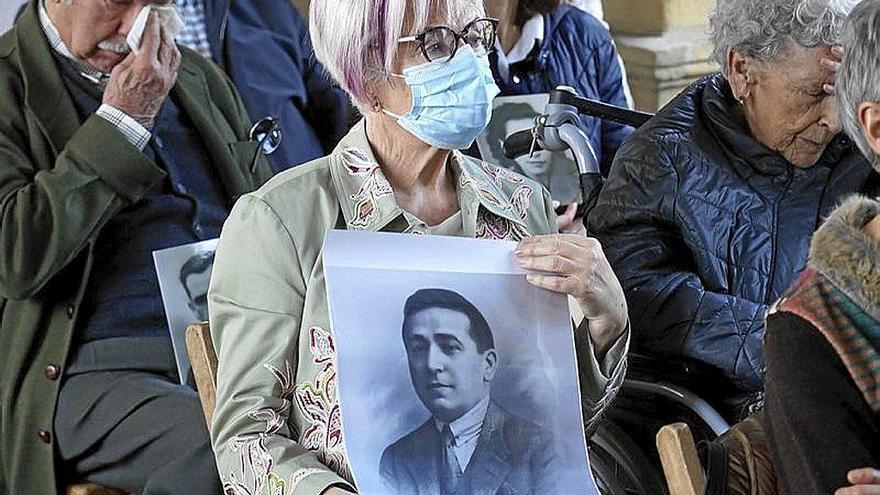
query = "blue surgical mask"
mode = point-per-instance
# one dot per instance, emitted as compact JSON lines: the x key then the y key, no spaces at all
{"x":451,"y":101}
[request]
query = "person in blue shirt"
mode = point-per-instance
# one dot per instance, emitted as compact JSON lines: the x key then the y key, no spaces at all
{"x":264,"y":48}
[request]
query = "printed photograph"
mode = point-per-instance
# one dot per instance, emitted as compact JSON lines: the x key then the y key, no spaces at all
{"x":474,"y":374}
{"x":555,"y":171}
{"x":184,"y":274}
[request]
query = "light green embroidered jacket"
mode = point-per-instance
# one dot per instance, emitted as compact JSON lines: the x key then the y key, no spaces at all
{"x":277,"y":426}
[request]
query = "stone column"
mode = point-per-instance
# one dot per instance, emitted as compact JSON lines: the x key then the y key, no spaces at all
{"x":663,"y":43}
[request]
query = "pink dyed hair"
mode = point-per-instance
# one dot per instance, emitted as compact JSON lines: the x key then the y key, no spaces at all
{"x":356,"y":40}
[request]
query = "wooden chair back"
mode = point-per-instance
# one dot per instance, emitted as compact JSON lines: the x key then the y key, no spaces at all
{"x":738,"y":461}
{"x":203,"y":360}
{"x":681,"y":464}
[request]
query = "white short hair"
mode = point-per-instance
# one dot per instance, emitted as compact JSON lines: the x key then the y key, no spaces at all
{"x":356,"y":40}
{"x":857,"y":77}
{"x":760,"y":28}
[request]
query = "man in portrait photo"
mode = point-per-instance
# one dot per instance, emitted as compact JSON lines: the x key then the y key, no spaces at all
{"x":470,"y":444}
{"x":195,"y":275}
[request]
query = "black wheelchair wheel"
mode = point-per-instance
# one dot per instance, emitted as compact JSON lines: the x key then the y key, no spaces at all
{"x":619,"y":465}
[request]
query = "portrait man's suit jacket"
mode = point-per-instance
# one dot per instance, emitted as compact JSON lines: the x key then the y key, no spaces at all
{"x":513,"y":456}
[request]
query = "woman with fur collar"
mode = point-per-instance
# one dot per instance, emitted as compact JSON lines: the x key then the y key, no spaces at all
{"x":822,"y":342}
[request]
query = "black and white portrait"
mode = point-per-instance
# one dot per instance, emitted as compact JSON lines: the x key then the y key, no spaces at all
{"x":455,"y":375}
{"x":555,"y":171}
{"x":195,"y":276}
{"x":184,"y":274}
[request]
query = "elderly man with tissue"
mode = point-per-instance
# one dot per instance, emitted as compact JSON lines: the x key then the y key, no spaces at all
{"x":114,"y":142}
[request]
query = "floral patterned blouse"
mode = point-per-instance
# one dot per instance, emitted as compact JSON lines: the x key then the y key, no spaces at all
{"x":277,"y":427}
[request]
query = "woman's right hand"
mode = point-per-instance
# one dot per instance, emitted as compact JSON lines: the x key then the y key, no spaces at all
{"x":865,"y":481}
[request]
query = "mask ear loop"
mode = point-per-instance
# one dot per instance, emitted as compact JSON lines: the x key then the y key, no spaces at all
{"x":377,"y":105}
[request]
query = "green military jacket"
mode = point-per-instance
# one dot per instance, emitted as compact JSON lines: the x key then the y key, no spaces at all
{"x":60,"y":181}
{"x":277,"y":427}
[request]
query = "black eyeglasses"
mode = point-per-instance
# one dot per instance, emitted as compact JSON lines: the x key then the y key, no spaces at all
{"x":439,"y":43}
{"x":267,"y":135}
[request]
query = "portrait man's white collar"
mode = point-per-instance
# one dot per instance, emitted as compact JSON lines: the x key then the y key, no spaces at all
{"x":466,"y":431}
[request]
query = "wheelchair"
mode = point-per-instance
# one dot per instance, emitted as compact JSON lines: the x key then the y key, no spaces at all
{"x":656,"y":392}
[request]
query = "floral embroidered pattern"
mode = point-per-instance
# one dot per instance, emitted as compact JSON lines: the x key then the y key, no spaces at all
{"x":500,"y":174}
{"x":275,"y":485}
{"x":319,"y":405}
{"x":483,"y":190}
{"x":465,"y":180}
{"x":491,"y":226}
{"x":522,"y":199}
{"x":255,"y":461}
{"x":374,"y":185}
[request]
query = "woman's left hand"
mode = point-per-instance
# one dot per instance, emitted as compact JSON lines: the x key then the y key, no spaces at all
{"x":576,"y":265}
{"x":865,"y":481}
{"x":832,"y":64}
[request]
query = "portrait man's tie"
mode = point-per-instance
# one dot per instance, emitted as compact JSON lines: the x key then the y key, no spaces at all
{"x":452,"y":470}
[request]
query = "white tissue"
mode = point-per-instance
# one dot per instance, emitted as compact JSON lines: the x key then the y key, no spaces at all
{"x":168,"y":16}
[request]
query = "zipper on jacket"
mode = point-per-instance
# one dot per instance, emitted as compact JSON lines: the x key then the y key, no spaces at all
{"x":788,"y":181}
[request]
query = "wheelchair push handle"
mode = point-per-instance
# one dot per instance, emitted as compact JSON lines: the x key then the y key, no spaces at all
{"x":519,"y":143}
{"x":558,"y":129}
{"x":566,"y":96}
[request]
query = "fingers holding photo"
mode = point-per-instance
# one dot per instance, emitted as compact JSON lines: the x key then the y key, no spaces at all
{"x":576,"y":265}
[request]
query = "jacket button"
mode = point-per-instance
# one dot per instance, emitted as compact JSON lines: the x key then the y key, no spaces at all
{"x":70,"y":310}
{"x":45,"y":436}
{"x":52,"y":372}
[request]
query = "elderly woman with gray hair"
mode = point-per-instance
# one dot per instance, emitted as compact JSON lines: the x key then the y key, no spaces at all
{"x":823,"y":337}
{"x":418,"y":71}
{"x":707,"y":213}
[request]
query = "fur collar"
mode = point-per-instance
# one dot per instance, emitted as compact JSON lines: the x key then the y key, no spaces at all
{"x":846,"y":256}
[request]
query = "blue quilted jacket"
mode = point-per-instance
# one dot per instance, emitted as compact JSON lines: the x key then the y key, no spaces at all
{"x":705,"y":227}
{"x":576,"y":51}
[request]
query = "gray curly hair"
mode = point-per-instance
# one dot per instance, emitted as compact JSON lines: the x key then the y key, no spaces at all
{"x":856,"y":78}
{"x":760,"y":28}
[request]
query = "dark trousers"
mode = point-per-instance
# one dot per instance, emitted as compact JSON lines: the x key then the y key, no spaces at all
{"x":137,"y":430}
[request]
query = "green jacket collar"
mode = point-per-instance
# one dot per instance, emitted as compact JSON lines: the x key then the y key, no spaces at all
{"x":368,"y":203}
{"x":45,"y":94}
